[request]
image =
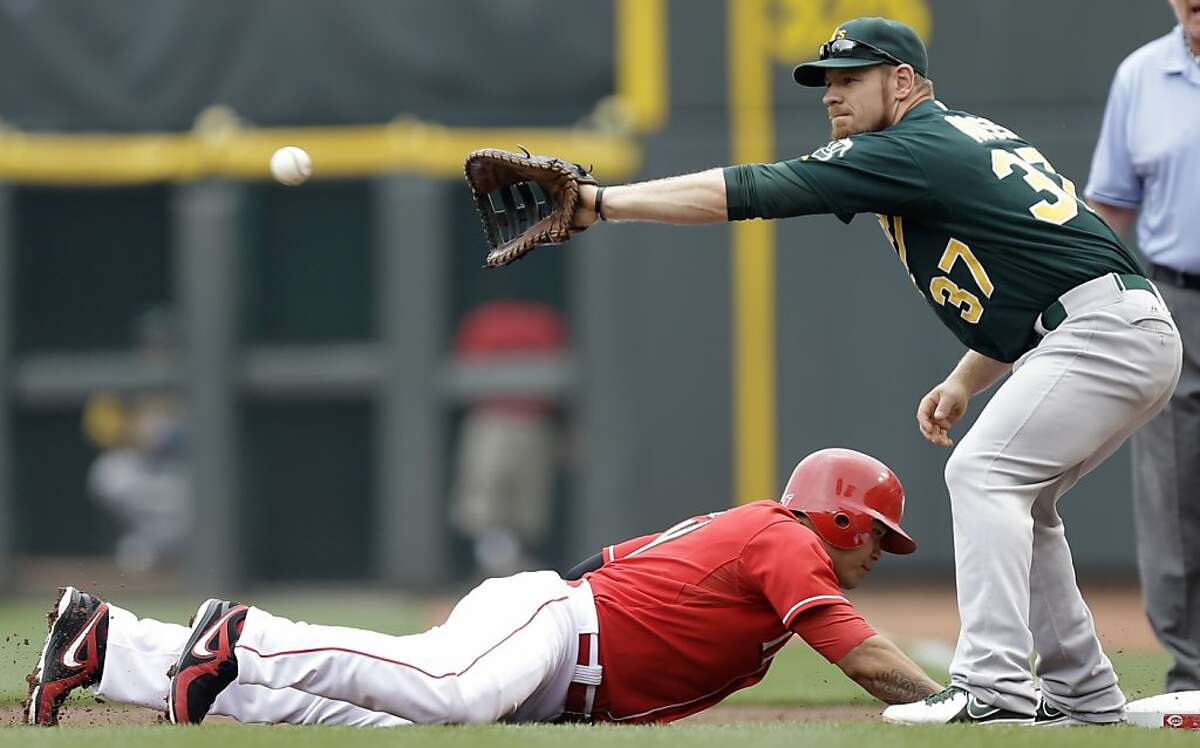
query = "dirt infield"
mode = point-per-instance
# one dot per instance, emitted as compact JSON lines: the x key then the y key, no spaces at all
{"x":108,"y":715}
{"x":931,"y":613}
{"x":84,"y":714}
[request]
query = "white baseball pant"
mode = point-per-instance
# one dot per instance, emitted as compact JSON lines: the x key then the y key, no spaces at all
{"x":140,"y":651}
{"x":1069,"y":404}
{"x":507,"y":652}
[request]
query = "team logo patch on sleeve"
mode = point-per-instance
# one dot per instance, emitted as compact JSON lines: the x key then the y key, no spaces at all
{"x":834,"y":149}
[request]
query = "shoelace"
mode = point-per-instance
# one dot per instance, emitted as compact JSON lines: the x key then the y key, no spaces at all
{"x":945,"y":694}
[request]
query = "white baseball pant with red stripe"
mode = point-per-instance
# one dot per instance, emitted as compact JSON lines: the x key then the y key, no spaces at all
{"x":507,"y":652}
{"x":140,"y":651}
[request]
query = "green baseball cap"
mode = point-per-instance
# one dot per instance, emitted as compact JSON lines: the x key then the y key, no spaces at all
{"x":864,"y":42}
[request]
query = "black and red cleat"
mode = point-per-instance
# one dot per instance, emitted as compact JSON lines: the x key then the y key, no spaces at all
{"x":73,"y":656}
{"x":207,"y":664}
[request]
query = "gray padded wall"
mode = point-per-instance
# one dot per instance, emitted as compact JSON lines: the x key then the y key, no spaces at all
{"x":654,"y":309}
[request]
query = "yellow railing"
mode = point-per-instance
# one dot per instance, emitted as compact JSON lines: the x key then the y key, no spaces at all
{"x":412,"y":147}
{"x":226,"y":150}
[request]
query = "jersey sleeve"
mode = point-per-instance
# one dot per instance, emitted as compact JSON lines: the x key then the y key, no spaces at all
{"x":787,"y":564}
{"x":769,"y":191}
{"x":872,"y":173}
{"x":833,"y":630}
{"x":610,"y":553}
{"x":1114,"y":180}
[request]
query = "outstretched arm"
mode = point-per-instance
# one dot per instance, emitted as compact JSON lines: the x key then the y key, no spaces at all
{"x":689,"y":199}
{"x":887,"y":673}
{"x":734,"y":193}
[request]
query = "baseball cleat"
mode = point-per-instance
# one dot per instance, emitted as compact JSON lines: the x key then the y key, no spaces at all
{"x":1048,"y":715}
{"x":207,"y":664}
{"x":952,"y":704}
{"x":73,"y":656}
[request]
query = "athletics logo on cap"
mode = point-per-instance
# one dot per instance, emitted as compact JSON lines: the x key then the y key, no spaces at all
{"x":864,"y":42}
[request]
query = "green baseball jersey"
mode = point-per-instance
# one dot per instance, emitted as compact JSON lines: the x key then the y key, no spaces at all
{"x":989,"y":233}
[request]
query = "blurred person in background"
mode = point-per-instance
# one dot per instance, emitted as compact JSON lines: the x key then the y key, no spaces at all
{"x":140,"y":476}
{"x":503,"y":495}
{"x":1146,"y":176}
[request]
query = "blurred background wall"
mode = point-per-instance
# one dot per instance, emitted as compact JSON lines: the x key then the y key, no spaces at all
{"x":316,"y":399}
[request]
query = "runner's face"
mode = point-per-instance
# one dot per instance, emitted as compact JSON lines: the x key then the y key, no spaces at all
{"x":851,"y":567}
{"x":856,"y":99}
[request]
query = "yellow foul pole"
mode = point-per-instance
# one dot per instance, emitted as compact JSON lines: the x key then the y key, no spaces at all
{"x":753,"y":263}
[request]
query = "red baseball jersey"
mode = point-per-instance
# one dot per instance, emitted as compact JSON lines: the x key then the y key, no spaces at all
{"x":692,"y":614}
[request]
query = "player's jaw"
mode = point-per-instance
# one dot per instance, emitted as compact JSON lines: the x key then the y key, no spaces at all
{"x":841,"y":125}
{"x":856,"y":101}
{"x":844,"y":124}
{"x":852,"y":566}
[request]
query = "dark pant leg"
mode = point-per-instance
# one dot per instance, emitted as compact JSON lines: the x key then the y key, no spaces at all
{"x":1166,"y":477}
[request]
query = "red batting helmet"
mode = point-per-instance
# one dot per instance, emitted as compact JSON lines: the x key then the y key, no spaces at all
{"x":841,"y":491}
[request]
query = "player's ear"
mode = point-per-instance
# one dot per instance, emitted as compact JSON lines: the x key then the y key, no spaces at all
{"x":906,"y":81}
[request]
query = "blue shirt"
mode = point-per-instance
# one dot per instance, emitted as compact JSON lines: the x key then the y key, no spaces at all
{"x":1148,"y":155}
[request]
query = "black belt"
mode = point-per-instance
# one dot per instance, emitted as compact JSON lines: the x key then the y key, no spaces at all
{"x":1174,"y":277}
{"x":1055,"y":313}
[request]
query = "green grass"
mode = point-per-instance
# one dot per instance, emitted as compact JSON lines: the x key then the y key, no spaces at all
{"x":783,"y":734}
{"x":799,"y":677}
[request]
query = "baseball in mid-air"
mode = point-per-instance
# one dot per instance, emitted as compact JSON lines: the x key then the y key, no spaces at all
{"x":291,"y":165}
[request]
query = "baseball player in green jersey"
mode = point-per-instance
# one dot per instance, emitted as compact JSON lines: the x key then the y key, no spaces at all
{"x":1037,"y":287}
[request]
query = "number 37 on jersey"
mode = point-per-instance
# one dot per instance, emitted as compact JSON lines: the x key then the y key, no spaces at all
{"x":1054,"y":203}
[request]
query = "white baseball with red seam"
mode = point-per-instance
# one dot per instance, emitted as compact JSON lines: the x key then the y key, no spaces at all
{"x":291,"y":165}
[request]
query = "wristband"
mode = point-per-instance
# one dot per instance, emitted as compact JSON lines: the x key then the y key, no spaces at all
{"x":599,"y":199}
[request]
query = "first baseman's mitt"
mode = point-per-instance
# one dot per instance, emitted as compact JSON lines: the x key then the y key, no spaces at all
{"x":524,"y":201}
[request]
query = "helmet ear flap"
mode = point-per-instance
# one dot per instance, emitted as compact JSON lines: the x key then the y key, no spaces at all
{"x":842,"y":520}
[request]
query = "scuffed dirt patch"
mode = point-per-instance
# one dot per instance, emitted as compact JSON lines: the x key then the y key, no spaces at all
{"x":95,"y":714}
{"x":88,"y":713}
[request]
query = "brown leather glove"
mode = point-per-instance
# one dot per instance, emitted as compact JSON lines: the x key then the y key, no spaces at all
{"x":524,"y":201}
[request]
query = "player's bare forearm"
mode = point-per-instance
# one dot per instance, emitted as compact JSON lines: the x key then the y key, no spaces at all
{"x":688,"y":199}
{"x":899,"y":687}
{"x":886,"y":673}
{"x":976,"y":372}
{"x":1121,"y":219}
